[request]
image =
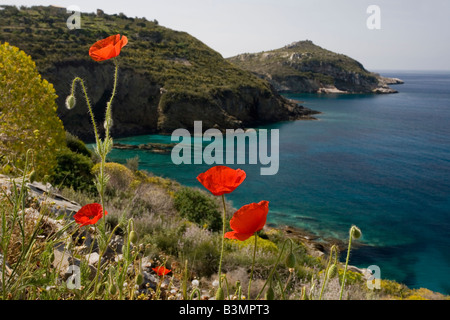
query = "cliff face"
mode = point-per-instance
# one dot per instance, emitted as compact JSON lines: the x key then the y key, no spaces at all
{"x":143,"y":106}
{"x":134,"y":109}
{"x":303,"y":67}
{"x":167,"y":79}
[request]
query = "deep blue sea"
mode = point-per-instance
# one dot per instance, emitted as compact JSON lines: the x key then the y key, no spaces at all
{"x":380,"y":162}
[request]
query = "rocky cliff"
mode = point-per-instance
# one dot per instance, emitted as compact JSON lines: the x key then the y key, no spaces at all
{"x":303,"y":67}
{"x":167,"y":79}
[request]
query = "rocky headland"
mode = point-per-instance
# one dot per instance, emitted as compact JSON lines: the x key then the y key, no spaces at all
{"x":303,"y":67}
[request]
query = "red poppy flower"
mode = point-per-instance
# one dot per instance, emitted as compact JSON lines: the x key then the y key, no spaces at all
{"x":248,"y":220}
{"x":107,"y":48}
{"x":161,"y":271}
{"x":221,"y":179}
{"x":89,"y":214}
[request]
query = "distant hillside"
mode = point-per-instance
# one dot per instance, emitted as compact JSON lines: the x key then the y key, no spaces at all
{"x":304,"y":67}
{"x":167,"y":79}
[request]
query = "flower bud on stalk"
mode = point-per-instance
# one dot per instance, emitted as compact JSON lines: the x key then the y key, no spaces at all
{"x":220,"y":295}
{"x":332,"y":272}
{"x":70,"y":102}
{"x":139,"y":279}
{"x":133,"y":237}
{"x":290,"y":260}
{"x":112,"y":289}
{"x":355,"y":232}
{"x":270,"y":294}
{"x":32,"y":176}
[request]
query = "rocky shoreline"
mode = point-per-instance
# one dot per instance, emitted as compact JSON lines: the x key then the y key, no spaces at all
{"x":151,"y":146}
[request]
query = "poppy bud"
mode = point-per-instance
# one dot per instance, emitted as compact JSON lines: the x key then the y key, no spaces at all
{"x":332,"y":272}
{"x":108,"y":124}
{"x":70,"y":102}
{"x":290,"y":260}
{"x":133,"y":237}
{"x":139,"y":279}
{"x":220,"y":295}
{"x":270,"y":294}
{"x":355,"y":232}
{"x":32,"y":176}
{"x":112,"y":289}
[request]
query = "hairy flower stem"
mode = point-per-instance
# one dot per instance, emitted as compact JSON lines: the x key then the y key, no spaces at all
{"x":88,"y":102}
{"x":102,"y":149}
{"x":333,"y":249}
{"x":346,"y":264}
{"x":281,"y":286}
{"x":100,"y":259}
{"x":253,"y":266}
{"x":223,"y":240}
{"x":274,"y":268}
{"x":108,"y":105}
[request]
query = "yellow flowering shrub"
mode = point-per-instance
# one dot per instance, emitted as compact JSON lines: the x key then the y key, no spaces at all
{"x":120,"y":177}
{"x":28,"y":118}
{"x":263,"y":244}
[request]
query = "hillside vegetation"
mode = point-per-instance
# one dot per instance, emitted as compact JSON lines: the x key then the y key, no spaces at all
{"x":167,"y":79}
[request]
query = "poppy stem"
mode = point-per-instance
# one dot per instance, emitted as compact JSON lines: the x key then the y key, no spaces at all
{"x":223,"y":241}
{"x":333,"y":248}
{"x":346,"y":265}
{"x":274,"y":267}
{"x":101,"y":253}
{"x":107,"y":143}
{"x":253,"y":266}
{"x":88,"y":102}
{"x":108,"y":116}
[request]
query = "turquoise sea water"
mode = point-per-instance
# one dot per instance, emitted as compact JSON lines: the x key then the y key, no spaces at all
{"x":381,"y":162}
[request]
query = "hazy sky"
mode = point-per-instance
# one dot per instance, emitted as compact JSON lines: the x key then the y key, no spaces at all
{"x":414,"y":34}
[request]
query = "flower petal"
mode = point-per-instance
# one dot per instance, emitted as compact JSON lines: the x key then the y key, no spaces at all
{"x":107,"y":48}
{"x":238,"y":236}
{"x":89,"y":214}
{"x":250,"y":218}
{"x":161,"y":271}
{"x":221,"y":179}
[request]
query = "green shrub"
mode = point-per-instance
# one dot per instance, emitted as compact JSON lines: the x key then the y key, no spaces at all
{"x":133,"y":163}
{"x":197,"y":207}
{"x":73,"y":170}
{"x":76,"y":145}
{"x":205,"y":257}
